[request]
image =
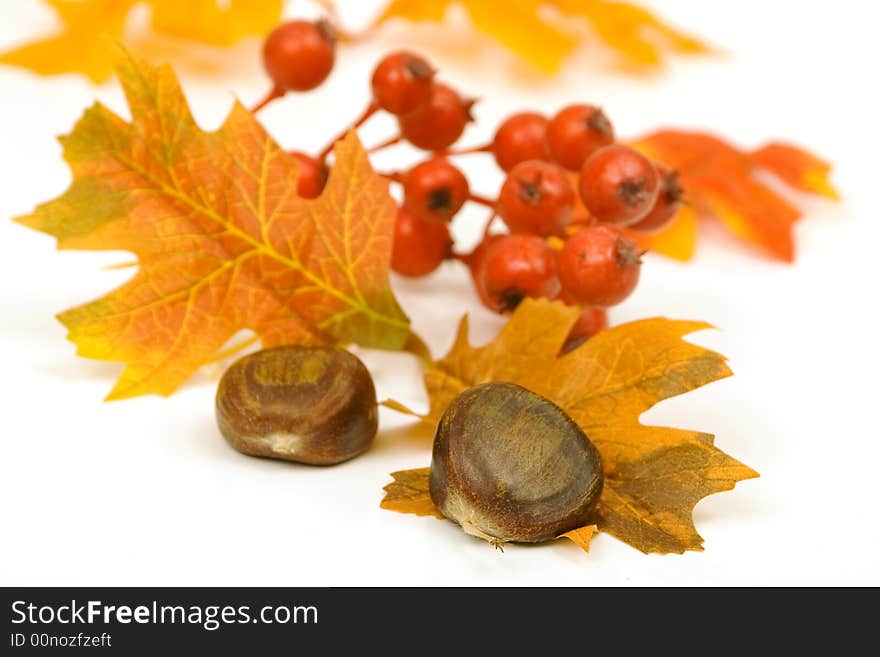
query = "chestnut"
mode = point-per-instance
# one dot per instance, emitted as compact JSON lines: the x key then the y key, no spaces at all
{"x":314,"y":405}
{"x":510,"y":465}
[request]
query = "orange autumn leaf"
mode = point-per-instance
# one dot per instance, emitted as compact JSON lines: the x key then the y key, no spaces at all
{"x":722,"y":182}
{"x":408,"y":493}
{"x":545,"y":32}
{"x":582,"y":536}
{"x":654,"y":476}
{"x":223,"y":242}
{"x":796,"y":167}
{"x":90,"y":27}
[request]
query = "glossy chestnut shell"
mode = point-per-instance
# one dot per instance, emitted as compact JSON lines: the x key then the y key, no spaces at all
{"x":314,"y":405}
{"x":510,"y":465}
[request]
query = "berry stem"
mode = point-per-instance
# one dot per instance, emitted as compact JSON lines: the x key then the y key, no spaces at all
{"x":482,"y":200}
{"x":394,"y":176}
{"x":485,"y":148}
{"x":385,"y":144}
{"x":371,"y":109}
{"x":489,"y":223}
{"x":274,"y":94}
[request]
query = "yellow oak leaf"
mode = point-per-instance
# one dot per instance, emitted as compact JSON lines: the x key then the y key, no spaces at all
{"x":91,"y":27}
{"x":223,"y":242}
{"x":654,"y":476}
{"x":721,"y":182}
{"x":408,"y":493}
{"x":545,"y":32}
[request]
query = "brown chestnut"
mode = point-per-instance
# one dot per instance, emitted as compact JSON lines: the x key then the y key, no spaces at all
{"x":510,"y":465}
{"x":313,"y":405}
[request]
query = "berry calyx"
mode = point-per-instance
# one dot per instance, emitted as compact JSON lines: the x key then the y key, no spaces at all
{"x":537,"y":197}
{"x":402,"y":82}
{"x":590,"y":322}
{"x":521,"y":137}
{"x":419,"y":246}
{"x":299,"y":55}
{"x":599,"y":266}
{"x":619,"y":185}
{"x":668,"y":202}
{"x":435,"y":190}
{"x":437,"y":124}
{"x":311,"y":176}
{"x":514,"y":267}
{"x":576,"y":132}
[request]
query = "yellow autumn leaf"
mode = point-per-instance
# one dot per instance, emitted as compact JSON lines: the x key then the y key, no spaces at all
{"x":545,"y":32}
{"x":654,"y":476}
{"x":82,"y":46}
{"x":90,"y":28}
{"x":408,"y":493}
{"x":219,"y":23}
{"x":223,"y":241}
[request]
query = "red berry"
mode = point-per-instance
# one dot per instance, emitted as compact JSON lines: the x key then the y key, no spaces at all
{"x":419,"y":246}
{"x":312,"y":176}
{"x":435,"y":190}
{"x":438,"y":124}
{"x":474,"y":261}
{"x":588,"y":324}
{"x":515,"y":267}
{"x":521,"y":137}
{"x":577,"y":132}
{"x":402,"y":82}
{"x":619,"y":185}
{"x":667,"y":205}
{"x":537,"y":197}
{"x":299,"y":55}
{"x":599,"y":266}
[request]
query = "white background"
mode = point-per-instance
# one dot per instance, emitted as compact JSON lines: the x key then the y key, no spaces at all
{"x":146,"y":491}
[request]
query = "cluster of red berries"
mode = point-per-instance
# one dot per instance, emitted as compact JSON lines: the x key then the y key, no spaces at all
{"x":570,"y":200}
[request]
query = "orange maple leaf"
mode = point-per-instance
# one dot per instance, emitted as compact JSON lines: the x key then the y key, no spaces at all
{"x":222,"y":239}
{"x":91,"y":27}
{"x":721,"y":181}
{"x":654,"y":476}
{"x":545,"y":32}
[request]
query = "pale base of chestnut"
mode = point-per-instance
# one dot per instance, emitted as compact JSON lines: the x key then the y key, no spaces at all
{"x":473,"y":530}
{"x":456,"y":511}
{"x":285,"y":447}
{"x":281,"y":445}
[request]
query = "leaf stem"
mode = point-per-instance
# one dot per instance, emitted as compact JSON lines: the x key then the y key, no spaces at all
{"x":417,"y":347}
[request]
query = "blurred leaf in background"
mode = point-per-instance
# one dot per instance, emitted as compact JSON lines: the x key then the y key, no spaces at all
{"x":724,"y":183}
{"x":542,"y":32}
{"x":545,"y":32}
{"x":89,"y":28}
